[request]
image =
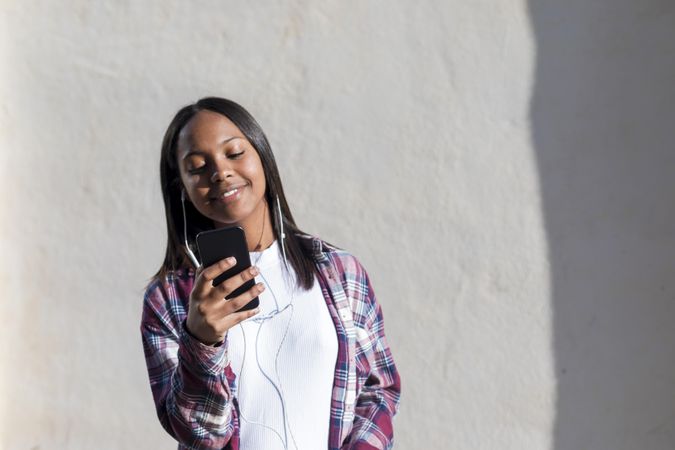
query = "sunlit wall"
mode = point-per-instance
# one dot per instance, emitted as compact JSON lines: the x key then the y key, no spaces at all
{"x":405,"y":133}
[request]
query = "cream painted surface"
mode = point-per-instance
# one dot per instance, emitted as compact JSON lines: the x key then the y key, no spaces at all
{"x":403,"y":134}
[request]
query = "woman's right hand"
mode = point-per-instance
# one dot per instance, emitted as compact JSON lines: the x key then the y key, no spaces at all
{"x":209,"y":314}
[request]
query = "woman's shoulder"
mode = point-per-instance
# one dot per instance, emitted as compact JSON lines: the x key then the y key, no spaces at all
{"x":166,"y":301}
{"x":343,"y":260}
{"x":320,"y":247}
{"x":173,"y":284}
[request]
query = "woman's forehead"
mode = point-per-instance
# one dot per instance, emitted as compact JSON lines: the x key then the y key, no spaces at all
{"x":207,"y":129}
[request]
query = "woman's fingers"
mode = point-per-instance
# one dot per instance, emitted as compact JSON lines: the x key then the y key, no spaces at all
{"x":235,"y":318}
{"x":204,"y":281}
{"x":229,"y":307}
{"x":209,"y":314}
{"x":233,"y":283}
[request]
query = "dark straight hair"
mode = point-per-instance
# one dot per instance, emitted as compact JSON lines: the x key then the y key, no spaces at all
{"x":299,"y":256}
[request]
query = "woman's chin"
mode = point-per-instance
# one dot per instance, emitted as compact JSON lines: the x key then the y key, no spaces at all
{"x":229,"y":220}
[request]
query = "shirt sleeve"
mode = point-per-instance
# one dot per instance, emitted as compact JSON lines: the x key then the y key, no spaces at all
{"x":378,"y":398}
{"x":188,"y":379}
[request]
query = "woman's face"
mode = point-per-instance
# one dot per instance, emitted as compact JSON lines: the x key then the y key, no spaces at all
{"x":221,"y":171}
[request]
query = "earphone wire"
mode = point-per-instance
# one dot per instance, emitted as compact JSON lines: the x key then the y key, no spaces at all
{"x":190,"y":254}
{"x":278,"y":388}
{"x":241,"y":411}
{"x":261,"y":321}
{"x":283,"y":234}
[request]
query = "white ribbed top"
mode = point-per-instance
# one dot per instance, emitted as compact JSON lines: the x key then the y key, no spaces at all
{"x":302,"y":367}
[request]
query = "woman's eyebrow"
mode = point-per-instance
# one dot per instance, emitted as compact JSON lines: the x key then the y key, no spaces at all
{"x":193,"y":151}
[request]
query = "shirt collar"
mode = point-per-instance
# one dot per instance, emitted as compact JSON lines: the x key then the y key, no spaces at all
{"x":316,"y":246}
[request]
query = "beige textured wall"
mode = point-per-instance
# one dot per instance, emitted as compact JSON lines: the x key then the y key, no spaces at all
{"x":509,"y":200}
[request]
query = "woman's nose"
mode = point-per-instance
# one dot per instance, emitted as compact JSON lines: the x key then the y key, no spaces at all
{"x":222,"y":170}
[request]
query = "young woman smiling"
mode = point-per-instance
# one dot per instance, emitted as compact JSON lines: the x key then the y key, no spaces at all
{"x":309,"y":368}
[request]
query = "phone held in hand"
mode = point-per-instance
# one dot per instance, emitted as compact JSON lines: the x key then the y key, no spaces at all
{"x":214,"y":245}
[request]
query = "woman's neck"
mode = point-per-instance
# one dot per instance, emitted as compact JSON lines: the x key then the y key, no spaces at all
{"x":258,"y":229}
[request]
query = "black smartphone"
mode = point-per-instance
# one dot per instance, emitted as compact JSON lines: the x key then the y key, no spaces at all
{"x":214,"y":245}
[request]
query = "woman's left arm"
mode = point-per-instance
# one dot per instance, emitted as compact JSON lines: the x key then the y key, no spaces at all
{"x":380,"y":385}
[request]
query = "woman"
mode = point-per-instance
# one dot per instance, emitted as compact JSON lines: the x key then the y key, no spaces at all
{"x":310,"y":367}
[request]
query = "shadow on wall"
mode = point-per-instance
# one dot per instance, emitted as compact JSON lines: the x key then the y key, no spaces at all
{"x":603,"y":120}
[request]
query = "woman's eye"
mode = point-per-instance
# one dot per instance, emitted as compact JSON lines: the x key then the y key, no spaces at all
{"x":195,"y":170}
{"x":235,"y":155}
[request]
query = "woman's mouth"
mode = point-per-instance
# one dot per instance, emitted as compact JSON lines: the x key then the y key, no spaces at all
{"x":229,"y":193}
{"x":229,"y":196}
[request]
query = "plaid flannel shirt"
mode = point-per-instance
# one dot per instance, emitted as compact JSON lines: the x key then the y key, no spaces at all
{"x":192,"y":383}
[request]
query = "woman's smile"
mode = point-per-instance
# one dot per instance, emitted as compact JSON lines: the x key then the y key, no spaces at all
{"x":228,"y":195}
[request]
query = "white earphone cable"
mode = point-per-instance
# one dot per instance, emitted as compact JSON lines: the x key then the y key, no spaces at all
{"x":261,"y":321}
